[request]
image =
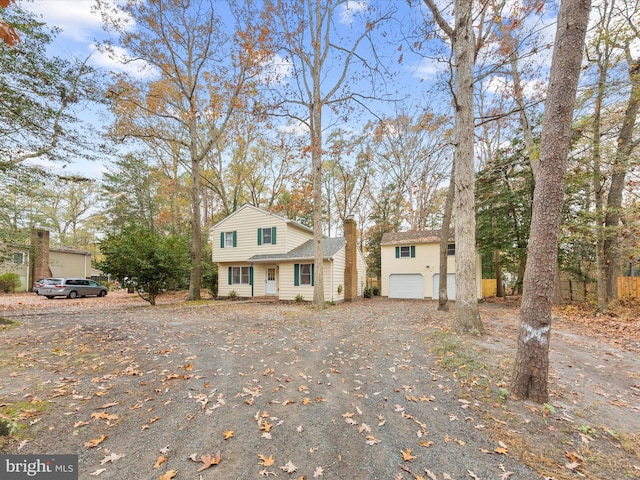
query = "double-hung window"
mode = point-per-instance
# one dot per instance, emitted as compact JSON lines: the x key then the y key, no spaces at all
{"x":267,"y":236}
{"x":239,"y":275}
{"x":303,"y":274}
{"x":451,"y":249}
{"x":406,"y":251}
{"x":228,"y":239}
{"x":18,"y":258}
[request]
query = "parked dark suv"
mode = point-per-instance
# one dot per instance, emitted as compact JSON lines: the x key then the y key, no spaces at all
{"x":71,"y":288}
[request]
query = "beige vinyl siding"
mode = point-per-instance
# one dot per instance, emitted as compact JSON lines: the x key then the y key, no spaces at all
{"x":295,"y":237}
{"x":66,"y":264}
{"x":362,"y":273}
{"x":339,"y":262}
{"x":22,"y":270}
{"x":245,"y":223}
{"x":223,"y":281}
{"x":288,"y":291}
{"x":426,"y":262}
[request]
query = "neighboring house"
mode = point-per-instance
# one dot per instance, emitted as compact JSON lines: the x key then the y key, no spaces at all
{"x":410,"y":264}
{"x":40,"y":261}
{"x":262,"y":254}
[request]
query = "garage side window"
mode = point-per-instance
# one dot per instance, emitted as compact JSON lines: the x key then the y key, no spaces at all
{"x":451,"y":249}
{"x":408,"y":251}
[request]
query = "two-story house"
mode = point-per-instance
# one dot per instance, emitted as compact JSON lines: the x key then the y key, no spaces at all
{"x":410,"y":265}
{"x":262,"y":254}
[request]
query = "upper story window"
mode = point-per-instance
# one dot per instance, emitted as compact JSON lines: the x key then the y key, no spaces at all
{"x":18,"y":258}
{"x":406,"y":251}
{"x":451,"y":249}
{"x":267,"y":236}
{"x":228,"y":239}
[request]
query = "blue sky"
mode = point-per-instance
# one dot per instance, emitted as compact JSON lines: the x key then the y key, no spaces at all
{"x":81,"y":28}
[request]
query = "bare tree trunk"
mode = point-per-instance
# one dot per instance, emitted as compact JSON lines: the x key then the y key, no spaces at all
{"x":316,"y":162}
{"x":598,"y":187}
{"x":467,"y":316}
{"x":499,"y":289}
{"x":626,"y":144}
{"x":443,"y":296}
{"x":195,"y":279}
{"x":530,"y":376}
{"x":524,"y":120}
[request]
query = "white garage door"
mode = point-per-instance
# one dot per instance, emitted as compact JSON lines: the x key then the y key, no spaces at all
{"x":406,"y":285}
{"x":451,"y":285}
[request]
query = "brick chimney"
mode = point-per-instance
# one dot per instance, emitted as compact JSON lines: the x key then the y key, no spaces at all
{"x":351,"y":260}
{"x":40,"y":249}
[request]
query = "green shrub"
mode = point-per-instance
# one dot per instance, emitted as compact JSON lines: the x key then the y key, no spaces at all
{"x":9,"y":282}
{"x":368,"y":292}
{"x":376,"y":291}
{"x":233,"y":295}
{"x":299,"y":298}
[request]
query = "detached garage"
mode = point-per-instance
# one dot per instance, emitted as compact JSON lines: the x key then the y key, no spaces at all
{"x":451,"y":286}
{"x":406,"y":285}
{"x":410,"y":265}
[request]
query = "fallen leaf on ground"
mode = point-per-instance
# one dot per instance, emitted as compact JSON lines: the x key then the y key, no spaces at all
{"x":266,"y":426}
{"x":110,"y":458}
{"x":208,"y":461}
{"x":266,"y":461}
{"x":161,"y":459}
{"x":371,"y":440}
{"x":289,"y":467}
{"x":406,"y":455}
{"x":95,"y":442}
{"x":98,"y":472}
{"x":227,"y":434}
{"x":430,"y":475}
{"x":318,"y":472}
{"x":169,"y":475}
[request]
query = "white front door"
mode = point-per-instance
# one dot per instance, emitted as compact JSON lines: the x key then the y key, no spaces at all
{"x":270,"y":282}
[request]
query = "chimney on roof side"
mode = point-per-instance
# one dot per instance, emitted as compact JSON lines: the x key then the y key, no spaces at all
{"x":351,"y":262}
{"x":40,"y":248}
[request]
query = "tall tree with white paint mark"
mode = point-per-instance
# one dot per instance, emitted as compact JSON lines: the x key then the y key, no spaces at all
{"x":531,"y":370}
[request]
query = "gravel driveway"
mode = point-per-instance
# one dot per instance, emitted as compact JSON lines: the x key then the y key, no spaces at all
{"x":251,"y":390}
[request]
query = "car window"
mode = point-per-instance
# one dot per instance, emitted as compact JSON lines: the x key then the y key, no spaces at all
{"x":93,"y":284}
{"x":51,"y":281}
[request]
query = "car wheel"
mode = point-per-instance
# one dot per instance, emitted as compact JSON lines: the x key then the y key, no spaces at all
{"x":72,"y":294}
{"x":102,"y":293}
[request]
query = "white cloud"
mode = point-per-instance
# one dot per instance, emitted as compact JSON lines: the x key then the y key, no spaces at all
{"x":352,"y":8}
{"x":74,"y":17}
{"x":429,"y":68}
{"x":298,"y":129}
{"x":277,"y":70}
{"x":119,"y":61}
{"x":502,"y":85}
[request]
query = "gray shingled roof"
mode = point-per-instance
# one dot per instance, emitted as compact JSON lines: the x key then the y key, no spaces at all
{"x":414,"y":236}
{"x":330,"y":246}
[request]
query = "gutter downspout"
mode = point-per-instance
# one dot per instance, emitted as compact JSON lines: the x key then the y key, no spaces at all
{"x":29,"y":279}
{"x":331,"y":281}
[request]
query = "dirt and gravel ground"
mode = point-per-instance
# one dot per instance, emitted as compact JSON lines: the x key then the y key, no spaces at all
{"x":377,"y":389}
